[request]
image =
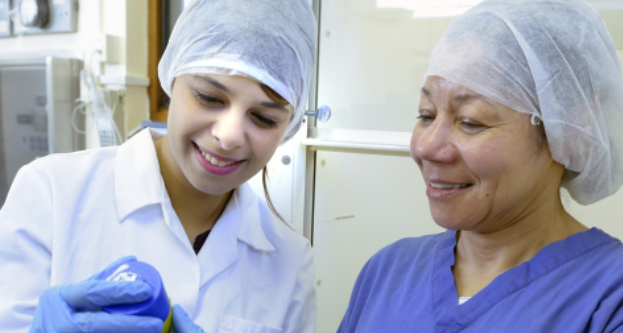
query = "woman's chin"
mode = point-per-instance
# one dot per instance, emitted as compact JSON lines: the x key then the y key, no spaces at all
{"x":451,"y":221}
{"x":448,"y":225}
{"x":214,"y":188}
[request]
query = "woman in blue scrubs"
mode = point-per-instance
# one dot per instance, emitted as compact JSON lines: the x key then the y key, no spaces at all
{"x":521,"y":98}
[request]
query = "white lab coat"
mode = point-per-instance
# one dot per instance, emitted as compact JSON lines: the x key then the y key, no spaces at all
{"x":68,"y":216}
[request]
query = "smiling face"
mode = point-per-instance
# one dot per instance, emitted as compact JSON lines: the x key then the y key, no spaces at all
{"x":223,"y":129}
{"x":481,"y":161}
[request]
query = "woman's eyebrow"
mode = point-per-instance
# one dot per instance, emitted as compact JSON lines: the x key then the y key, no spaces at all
{"x":460,"y":98}
{"x":211,"y":81}
{"x":274,"y":106}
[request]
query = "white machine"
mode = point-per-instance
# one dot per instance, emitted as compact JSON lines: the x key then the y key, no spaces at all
{"x":37,"y":100}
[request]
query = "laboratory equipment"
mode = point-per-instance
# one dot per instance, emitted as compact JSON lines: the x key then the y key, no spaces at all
{"x":37,"y":97}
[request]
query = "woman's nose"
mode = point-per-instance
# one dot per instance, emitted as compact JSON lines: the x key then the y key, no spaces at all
{"x":228,"y":130}
{"x":433,"y":142}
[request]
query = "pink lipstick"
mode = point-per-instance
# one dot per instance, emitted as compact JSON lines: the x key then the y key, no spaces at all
{"x":226,"y":165}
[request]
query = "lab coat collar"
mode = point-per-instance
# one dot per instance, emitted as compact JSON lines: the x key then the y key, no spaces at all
{"x":138,"y":182}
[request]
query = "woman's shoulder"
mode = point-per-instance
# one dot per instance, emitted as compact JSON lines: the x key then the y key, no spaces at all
{"x":264,"y":231}
{"x":412,"y":254}
{"x":74,"y":163}
{"x":280,"y":233}
{"x":609,"y":250}
{"x":412,"y":247}
{"x":402,"y":265}
{"x":279,"y":229}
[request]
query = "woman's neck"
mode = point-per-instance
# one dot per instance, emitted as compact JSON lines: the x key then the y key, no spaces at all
{"x":197,"y":211}
{"x":482,"y":256}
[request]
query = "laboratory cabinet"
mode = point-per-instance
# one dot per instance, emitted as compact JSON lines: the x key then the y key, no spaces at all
{"x":37,"y":100}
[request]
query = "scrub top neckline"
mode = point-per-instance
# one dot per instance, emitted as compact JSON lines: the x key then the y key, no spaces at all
{"x":444,"y":295}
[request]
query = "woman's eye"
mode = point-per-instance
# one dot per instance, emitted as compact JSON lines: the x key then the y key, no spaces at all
{"x":207,"y":99}
{"x":471,"y":127}
{"x":265,"y":121}
{"x":425,"y":118}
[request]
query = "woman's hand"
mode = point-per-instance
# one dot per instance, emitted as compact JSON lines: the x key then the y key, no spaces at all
{"x":77,"y":307}
{"x":182,"y":322}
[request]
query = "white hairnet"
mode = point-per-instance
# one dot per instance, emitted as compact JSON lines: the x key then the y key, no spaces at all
{"x":270,"y":41}
{"x":554,"y":60}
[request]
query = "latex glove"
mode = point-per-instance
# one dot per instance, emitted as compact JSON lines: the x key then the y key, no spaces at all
{"x":77,"y":307}
{"x":182,"y":322}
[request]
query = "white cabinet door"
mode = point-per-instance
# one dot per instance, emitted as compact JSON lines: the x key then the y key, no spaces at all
{"x":367,"y":191}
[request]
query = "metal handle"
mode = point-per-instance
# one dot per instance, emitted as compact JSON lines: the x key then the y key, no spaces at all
{"x":323,"y":114}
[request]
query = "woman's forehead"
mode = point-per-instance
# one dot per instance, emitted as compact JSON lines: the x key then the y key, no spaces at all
{"x":437,"y":87}
{"x":444,"y":93}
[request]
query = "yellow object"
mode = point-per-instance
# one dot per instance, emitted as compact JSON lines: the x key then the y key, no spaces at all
{"x":167,"y":323}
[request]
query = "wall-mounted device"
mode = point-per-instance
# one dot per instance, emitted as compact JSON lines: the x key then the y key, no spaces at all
{"x":6,"y":27}
{"x":37,"y":100}
{"x":44,"y":16}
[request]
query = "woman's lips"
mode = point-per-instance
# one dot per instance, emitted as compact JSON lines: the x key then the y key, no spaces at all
{"x":216,"y":165}
{"x":219,"y":157}
{"x":441,"y":190}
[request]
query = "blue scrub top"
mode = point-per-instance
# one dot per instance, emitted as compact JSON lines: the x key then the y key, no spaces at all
{"x":573,"y":285}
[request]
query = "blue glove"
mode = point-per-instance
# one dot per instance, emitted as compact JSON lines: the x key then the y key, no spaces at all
{"x":77,"y":307}
{"x":182,"y":322}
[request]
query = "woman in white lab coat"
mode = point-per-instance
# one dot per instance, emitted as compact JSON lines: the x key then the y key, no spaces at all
{"x":238,"y":74}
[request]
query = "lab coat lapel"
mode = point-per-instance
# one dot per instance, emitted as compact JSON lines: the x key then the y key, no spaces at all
{"x":220,"y":249}
{"x":453,"y":318}
{"x":241,"y":221}
{"x":138,"y":182}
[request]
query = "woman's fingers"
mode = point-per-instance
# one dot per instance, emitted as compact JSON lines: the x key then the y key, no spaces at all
{"x":102,"y":322}
{"x":182,"y":322}
{"x":92,"y":294}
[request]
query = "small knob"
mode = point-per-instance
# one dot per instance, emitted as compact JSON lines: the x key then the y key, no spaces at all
{"x":323,"y":114}
{"x":33,"y":13}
